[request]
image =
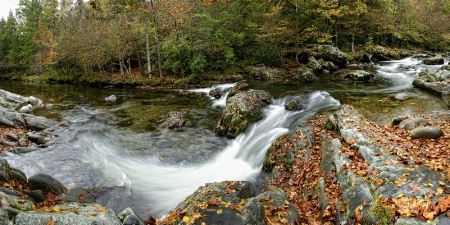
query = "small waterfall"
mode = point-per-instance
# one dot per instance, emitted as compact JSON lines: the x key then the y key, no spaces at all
{"x":165,"y":186}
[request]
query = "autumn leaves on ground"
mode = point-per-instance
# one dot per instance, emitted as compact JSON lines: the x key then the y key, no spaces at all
{"x":317,"y":193}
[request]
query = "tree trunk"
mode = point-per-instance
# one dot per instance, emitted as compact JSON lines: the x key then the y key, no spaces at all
{"x":158,"y":51}
{"x":353,"y":43}
{"x":147,"y":49}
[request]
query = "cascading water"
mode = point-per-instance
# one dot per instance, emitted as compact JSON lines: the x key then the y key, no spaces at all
{"x":153,"y":173}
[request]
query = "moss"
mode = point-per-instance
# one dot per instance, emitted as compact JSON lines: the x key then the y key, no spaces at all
{"x":379,"y":213}
{"x":331,"y":126}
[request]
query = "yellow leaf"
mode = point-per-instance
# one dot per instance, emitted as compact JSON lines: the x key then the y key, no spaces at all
{"x":186,"y":219}
{"x":203,"y":223}
{"x":439,"y":191}
{"x":400,"y":195}
{"x":220,"y":211}
{"x":101,"y":208}
{"x":50,"y":221}
{"x":429,"y":215}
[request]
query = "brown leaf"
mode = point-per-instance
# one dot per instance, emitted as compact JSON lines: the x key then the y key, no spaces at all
{"x":50,"y":221}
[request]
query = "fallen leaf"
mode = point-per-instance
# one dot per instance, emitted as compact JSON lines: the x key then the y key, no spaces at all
{"x":220,"y":211}
{"x":50,"y":221}
{"x":186,"y":219}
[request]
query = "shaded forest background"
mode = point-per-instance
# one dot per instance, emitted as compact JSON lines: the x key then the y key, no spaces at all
{"x":185,"y":38}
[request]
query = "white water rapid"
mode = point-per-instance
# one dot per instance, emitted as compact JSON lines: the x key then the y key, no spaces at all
{"x":165,"y":186}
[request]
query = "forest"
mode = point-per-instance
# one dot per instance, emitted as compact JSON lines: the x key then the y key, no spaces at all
{"x":189,"y":38}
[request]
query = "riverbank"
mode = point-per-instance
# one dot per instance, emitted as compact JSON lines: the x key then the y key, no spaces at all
{"x":136,"y":80}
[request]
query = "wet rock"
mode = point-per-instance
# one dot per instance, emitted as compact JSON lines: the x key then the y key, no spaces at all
{"x":216,"y":93}
{"x":17,"y":175}
{"x":80,"y":195}
{"x":402,"y":96}
{"x":446,"y":67}
{"x":242,"y":109}
{"x":37,"y":122}
{"x":45,"y":183}
{"x":297,"y":103}
{"x":39,"y":139}
{"x":433,"y":81}
{"x":128,"y":217}
{"x":359,"y":75}
{"x":435,"y":60}
{"x":83,"y":216}
{"x":36,"y":195}
{"x":426,"y":133}
{"x":175,"y":120}
{"x":412,"y":123}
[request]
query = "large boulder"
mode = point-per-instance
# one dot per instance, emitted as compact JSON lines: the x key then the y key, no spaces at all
{"x":325,"y":52}
{"x":357,"y":75}
{"x":265,"y":73}
{"x":434,"y":60}
{"x":11,"y":100}
{"x":242,"y":109}
{"x":306,"y":75}
{"x":434,"y":81}
{"x":71,"y":213}
{"x":428,"y":132}
{"x":380,"y":53}
{"x":297,"y":103}
{"x":232,"y":202}
{"x":46,"y":183}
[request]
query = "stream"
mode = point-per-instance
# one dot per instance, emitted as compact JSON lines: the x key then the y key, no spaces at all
{"x":143,"y":165}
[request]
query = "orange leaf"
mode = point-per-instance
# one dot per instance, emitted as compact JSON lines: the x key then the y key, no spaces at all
{"x":50,"y":221}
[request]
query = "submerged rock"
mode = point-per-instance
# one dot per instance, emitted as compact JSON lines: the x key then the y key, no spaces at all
{"x":111,"y":98}
{"x":175,"y":120}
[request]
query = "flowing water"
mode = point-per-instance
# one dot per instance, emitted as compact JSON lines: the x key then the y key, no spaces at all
{"x":123,"y":147}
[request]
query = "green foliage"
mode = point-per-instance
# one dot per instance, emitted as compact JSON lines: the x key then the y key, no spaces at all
{"x":198,"y":64}
{"x":110,"y":36}
{"x":368,"y":47}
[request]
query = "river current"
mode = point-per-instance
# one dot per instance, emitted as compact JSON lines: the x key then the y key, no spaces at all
{"x":151,"y":169}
